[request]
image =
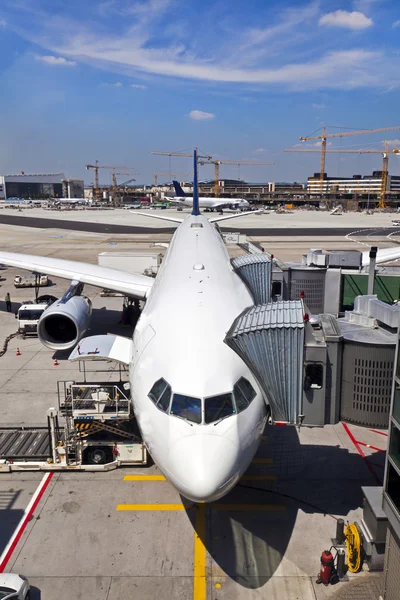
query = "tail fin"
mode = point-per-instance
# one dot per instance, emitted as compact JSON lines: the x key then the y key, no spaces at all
{"x":196,"y":208}
{"x":178,"y":190}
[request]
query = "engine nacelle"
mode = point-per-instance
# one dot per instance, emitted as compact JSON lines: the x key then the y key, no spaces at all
{"x":64,"y":323}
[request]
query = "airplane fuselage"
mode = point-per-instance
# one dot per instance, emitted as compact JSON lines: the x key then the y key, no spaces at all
{"x":212,"y":203}
{"x":200,"y":434}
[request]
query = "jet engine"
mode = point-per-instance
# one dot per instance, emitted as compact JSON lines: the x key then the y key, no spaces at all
{"x":65,"y":322}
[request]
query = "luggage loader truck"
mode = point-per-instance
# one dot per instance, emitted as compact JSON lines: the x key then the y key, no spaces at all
{"x":99,"y":433}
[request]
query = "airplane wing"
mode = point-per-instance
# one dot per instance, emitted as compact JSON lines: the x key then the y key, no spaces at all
{"x":132,"y":284}
{"x":241,"y":214}
{"x":173,"y":219}
{"x":383,"y":255}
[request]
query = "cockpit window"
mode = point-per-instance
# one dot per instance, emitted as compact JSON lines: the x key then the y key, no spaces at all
{"x":165,"y":399}
{"x":186,"y":407}
{"x":244,"y":393}
{"x":157,"y":390}
{"x":160,"y":393}
{"x":218,"y":407}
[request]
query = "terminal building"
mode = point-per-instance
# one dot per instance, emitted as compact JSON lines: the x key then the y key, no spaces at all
{"x":39,"y":186}
{"x":358,"y":184}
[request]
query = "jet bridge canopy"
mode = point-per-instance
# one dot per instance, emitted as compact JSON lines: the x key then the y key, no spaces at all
{"x":255,"y":270}
{"x":270,"y":340}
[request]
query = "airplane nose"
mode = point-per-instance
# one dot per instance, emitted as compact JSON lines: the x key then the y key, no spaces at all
{"x":203,"y":467}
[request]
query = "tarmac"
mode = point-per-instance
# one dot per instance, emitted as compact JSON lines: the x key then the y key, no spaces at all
{"x":270,"y":224}
{"x":126,"y":534}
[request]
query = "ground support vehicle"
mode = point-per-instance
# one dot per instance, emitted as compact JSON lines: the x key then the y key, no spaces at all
{"x":99,"y":433}
{"x":34,"y":280}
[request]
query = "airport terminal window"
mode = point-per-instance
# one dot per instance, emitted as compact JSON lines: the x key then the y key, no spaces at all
{"x":396,"y":404}
{"x":244,"y":393}
{"x":314,"y":376}
{"x":393,"y":486}
{"x":157,"y":390}
{"x":218,"y":407}
{"x":394,"y":448}
{"x":276,"y":289}
{"x":186,"y":407}
{"x":398,"y":363}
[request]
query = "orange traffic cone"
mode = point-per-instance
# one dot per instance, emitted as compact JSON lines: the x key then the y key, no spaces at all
{"x":18,"y":353}
{"x":56,"y":363}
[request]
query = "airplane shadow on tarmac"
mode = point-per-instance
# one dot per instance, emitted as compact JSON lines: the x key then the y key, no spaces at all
{"x":9,"y":515}
{"x":249,"y":545}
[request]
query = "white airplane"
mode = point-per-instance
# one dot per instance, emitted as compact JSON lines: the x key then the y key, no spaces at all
{"x":208,"y":203}
{"x":199,"y":408}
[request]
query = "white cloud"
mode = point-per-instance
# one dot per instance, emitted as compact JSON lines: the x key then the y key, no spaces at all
{"x":199,"y":115}
{"x":393,"y":143}
{"x":118,"y":84}
{"x":57,"y":61}
{"x":396,"y":24}
{"x":259,"y":151}
{"x":139,"y":86}
{"x":317,"y":144}
{"x":3,"y":22}
{"x":318,"y":106}
{"x":233,"y":54}
{"x":349,"y":20}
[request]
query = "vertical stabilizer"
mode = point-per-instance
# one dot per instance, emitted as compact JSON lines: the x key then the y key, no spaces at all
{"x":178,"y":190}
{"x":196,"y":210}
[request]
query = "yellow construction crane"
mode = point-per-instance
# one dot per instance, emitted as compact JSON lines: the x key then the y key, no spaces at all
{"x":156,"y":175}
{"x":324,"y":136}
{"x":96,"y":168}
{"x":385,"y":164}
{"x":208,"y":160}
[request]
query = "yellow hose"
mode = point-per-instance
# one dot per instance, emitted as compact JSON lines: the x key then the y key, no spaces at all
{"x":353,"y":543}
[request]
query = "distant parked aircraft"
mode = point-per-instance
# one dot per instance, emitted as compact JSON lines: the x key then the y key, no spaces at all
{"x":208,"y":203}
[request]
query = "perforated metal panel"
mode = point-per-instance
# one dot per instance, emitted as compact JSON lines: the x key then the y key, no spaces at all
{"x":367,"y":383}
{"x":270,"y":340}
{"x":312,"y":283}
{"x":255,"y":270}
{"x":392,"y":568}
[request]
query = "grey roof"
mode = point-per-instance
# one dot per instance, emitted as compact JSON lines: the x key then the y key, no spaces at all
{"x":286,"y":313}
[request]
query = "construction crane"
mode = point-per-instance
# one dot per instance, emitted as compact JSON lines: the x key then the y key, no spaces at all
{"x":208,"y":160}
{"x":114,"y":184}
{"x":325,"y":136}
{"x":156,"y":175}
{"x":96,"y":168}
{"x":385,"y":164}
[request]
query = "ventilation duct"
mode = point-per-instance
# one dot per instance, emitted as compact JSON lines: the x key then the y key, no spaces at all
{"x":270,"y":340}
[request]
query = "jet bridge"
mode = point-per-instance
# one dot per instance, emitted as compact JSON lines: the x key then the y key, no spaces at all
{"x":255,"y":270}
{"x":270,"y":339}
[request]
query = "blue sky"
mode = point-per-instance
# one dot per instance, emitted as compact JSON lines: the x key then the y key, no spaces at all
{"x":112,"y":80}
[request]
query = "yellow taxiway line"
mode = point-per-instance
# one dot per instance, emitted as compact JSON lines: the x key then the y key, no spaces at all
{"x":200,"y":555}
{"x":144,"y":478}
{"x":151,"y":507}
{"x":162,"y":478}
